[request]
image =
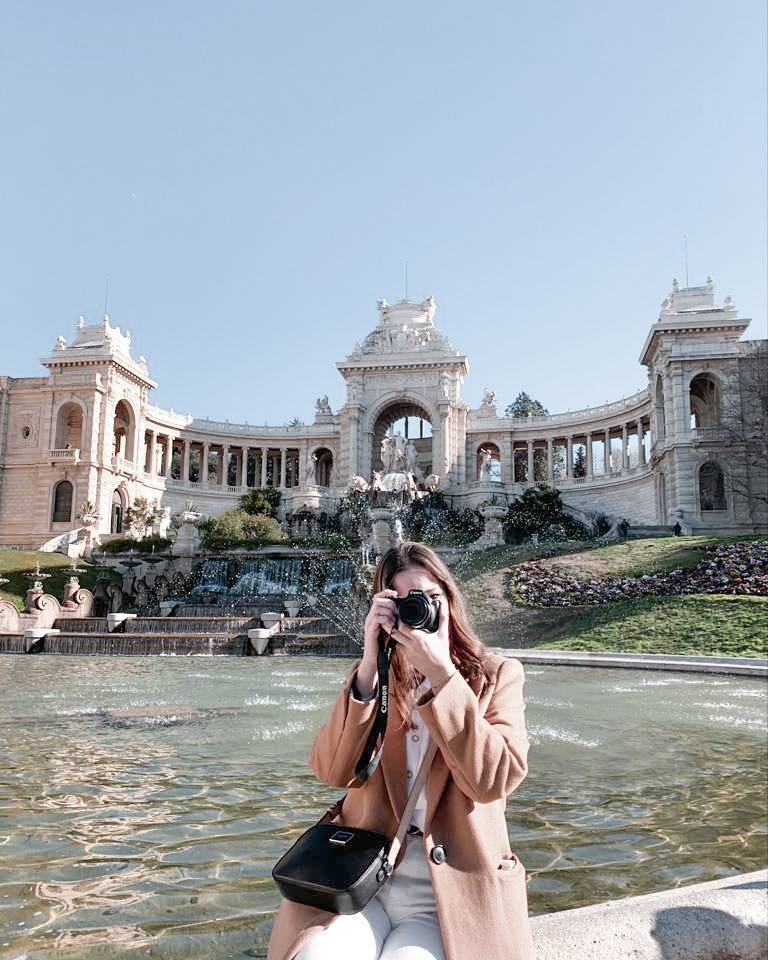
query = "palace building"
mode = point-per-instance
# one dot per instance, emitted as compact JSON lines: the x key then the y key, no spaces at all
{"x":689,"y":448}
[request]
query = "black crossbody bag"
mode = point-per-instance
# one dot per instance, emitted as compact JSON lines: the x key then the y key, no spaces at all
{"x":339,"y":869}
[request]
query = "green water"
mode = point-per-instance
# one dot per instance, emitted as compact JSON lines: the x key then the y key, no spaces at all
{"x":143,"y":801}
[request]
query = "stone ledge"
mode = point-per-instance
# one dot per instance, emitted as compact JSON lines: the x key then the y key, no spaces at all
{"x":721,"y":919}
{"x":738,"y":666}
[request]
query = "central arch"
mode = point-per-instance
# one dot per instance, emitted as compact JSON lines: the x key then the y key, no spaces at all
{"x":412,"y":419}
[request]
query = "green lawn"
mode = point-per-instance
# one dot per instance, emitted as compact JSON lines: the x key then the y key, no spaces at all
{"x":15,"y":563}
{"x":704,"y":624}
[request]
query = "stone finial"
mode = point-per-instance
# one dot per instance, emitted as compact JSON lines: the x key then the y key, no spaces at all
{"x":675,"y":284}
{"x":142,"y":361}
{"x":666,"y":304}
{"x":61,"y":344}
{"x":80,"y":322}
{"x":710,"y":281}
{"x":382,"y":305}
{"x":728,"y":302}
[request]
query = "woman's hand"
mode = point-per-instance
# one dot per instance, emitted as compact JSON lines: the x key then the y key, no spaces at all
{"x":429,"y":653}
{"x":381,"y":616}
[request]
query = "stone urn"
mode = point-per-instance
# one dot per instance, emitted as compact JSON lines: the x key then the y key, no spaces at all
{"x":493,"y":514}
{"x":270,"y":620}
{"x":187,"y":542}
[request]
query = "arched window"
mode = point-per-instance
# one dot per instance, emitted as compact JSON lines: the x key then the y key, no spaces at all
{"x":62,"y":502}
{"x":116,"y":517}
{"x":69,"y":427}
{"x":661,"y":421}
{"x":705,"y":402}
{"x":712,"y":487}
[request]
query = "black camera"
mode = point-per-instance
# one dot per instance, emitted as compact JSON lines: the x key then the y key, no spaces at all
{"x":419,"y":611}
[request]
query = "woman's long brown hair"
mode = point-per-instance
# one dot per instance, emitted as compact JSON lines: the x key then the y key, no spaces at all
{"x":467,"y":651}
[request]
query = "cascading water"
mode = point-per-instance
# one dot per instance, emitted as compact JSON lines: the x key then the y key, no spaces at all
{"x":338,"y":577}
{"x":268,"y":576}
{"x":213,"y":578}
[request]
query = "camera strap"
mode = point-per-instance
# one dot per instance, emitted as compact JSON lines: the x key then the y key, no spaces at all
{"x":366,"y":765}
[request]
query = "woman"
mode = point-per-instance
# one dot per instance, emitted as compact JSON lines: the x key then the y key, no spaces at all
{"x":451,"y":896}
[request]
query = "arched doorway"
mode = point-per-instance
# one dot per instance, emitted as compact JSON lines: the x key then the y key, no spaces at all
{"x":69,"y":427}
{"x":488,"y":463}
{"x":408,"y":427}
{"x":124,"y":429}
{"x":323,"y":467}
{"x":117,"y":513}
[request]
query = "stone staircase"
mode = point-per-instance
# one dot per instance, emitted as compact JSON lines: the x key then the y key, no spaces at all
{"x":185,"y":636}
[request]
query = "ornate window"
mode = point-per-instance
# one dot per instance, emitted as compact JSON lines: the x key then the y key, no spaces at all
{"x":712,"y":487}
{"x":62,"y":502}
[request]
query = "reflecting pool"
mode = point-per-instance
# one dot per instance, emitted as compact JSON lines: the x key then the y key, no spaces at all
{"x":144,"y":800}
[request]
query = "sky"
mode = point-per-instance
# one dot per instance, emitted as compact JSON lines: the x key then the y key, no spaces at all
{"x":248,"y":178}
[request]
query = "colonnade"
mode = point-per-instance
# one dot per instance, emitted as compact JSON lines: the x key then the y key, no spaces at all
{"x":525,"y":466}
{"x":280,"y":466}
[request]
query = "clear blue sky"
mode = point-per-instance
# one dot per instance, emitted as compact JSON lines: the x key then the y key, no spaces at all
{"x":251,"y":177}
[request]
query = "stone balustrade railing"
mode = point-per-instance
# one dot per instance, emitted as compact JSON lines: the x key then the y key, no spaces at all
{"x":64,"y":453}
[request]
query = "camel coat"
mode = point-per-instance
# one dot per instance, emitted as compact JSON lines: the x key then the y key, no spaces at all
{"x":479,"y":728}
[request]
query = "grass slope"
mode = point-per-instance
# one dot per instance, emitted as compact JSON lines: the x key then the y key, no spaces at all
{"x":15,"y":563}
{"x":695,"y":624}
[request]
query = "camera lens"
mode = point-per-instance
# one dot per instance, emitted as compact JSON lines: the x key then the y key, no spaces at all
{"x":417,"y":610}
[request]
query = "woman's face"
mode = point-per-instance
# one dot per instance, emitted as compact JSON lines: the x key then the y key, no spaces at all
{"x":417,"y":578}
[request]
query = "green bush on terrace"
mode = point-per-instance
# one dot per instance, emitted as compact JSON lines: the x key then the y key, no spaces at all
{"x":236,"y":528}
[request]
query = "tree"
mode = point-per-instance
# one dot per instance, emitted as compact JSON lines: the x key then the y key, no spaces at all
{"x":580,"y":462}
{"x":141,"y":516}
{"x":263,"y":501}
{"x":295,"y":422}
{"x":525,"y":406}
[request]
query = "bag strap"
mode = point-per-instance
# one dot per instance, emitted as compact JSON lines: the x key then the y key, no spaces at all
{"x":366,"y":767}
{"x":413,"y":797}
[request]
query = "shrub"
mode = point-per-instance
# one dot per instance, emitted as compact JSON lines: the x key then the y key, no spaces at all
{"x":540,"y":512}
{"x":124,"y":544}
{"x":236,"y":528}
{"x":263,"y":501}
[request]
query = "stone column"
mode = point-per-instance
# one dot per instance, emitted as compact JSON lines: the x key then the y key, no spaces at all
{"x":354,"y":421}
{"x":607,"y":451}
{"x":550,"y":463}
{"x":283,"y":452}
{"x":185,"y":452}
{"x":444,"y":462}
{"x":168,"y":456}
{"x":264,"y":452}
{"x":530,"y":462}
{"x":302,"y":454}
{"x":589,"y":454}
{"x":244,"y":467}
{"x":640,"y":439}
{"x":569,"y":459}
{"x":624,"y":448}
{"x":204,"y":462}
{"x":149,"y":451}
{"x":224,"y":463}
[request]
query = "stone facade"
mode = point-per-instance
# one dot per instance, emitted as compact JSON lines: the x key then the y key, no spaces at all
{"x":689,"y":448}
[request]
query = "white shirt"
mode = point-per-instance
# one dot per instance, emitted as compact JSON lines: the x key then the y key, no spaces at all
{"x":416,"y":746}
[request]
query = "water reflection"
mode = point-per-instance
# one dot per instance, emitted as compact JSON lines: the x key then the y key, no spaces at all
{"x":132,"y":817}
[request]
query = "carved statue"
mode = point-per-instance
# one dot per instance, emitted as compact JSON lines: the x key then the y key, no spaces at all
{"x":445,"y":384}
{"x":382,"y":305}
{"x":399,"y":441}
{"x":61,"y":344}
{"x":311,"y":467}
{"x":486,"y":464}
{"x":388,"y":454}
{"x":322,"y":407}
{"x":410,"y":458}
{"x":375,"y":486}
{"x":489,"y":398}
{"x":353,"y":391}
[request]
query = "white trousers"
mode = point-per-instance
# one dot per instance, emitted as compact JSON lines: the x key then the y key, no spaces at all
{"x":399,"y":923}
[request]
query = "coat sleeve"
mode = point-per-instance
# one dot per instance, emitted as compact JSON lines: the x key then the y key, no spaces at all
{"x":487,"y":755}
{"x":338,"y":744}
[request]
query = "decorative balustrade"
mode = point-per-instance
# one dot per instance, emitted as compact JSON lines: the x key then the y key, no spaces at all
{"x":66,"y":454}
{"x":587,"y":413}
{"x":121,"y":465}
